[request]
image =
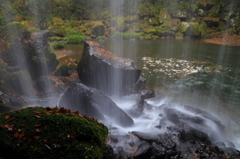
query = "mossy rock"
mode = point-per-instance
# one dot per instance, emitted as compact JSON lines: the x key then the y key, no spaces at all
{"x":164,"y":15}
{"x":58,"y":21}
{"x":214,"y":11}
{"x":151,"y":30}
{"x":146,"y":9}
{"x":120,"y":24}
{"x":179,"y":35}
{"x":98,"y":28}
{"x":38,"y":133}
{"x":66,"y":69}
{"x":193,"y":30}
{"x":12,"y":30}
{"x":2,"y":65}
{"x":131,"y":19}
{"x":75,"y":23}
{"x":57,"y":44}
{"x":44,"y":84}
{"x":202,"y":4}
{"x":166,"y":24}
{"x":57,"y":31}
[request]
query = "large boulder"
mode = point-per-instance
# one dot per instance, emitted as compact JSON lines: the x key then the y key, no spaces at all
{"x":105,"y":71}
{"x":94,"y":103}
{"x":30,"y":51}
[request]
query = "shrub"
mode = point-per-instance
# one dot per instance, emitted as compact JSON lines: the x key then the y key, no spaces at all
{"x":37,"y":132}
{"x":101,"y":38}
{"x":75,"y":39}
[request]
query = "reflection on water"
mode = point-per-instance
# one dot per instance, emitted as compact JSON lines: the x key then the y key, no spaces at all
{"x":188,"y":72}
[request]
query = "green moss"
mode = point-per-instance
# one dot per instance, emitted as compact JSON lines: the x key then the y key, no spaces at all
{"x":74,"y":39}
{"x":178,"y":34}
{"x":50,"y":133}
{"x":13,"y":30}
{"x":57,"y":31}
{"x":57,"y":44}
{"x":57,"y":21}
{"x":54,"y":38}
{"x":151,"y":30}
{"x":120,"y":24}
{"x":164,"y":15}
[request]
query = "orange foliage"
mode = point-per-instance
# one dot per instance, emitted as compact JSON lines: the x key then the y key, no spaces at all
{"x":231,"y":40}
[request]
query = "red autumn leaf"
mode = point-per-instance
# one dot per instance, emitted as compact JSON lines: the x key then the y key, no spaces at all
{"x":18,"y":135}
{"x":36,"y":137}
{"x":55,"y":108}
{"x":71,"y":135}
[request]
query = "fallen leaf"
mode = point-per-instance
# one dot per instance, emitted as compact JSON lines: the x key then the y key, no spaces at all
{"x":38,"y":116}
{"x":36,"y":137}
{"x":6,"y":117}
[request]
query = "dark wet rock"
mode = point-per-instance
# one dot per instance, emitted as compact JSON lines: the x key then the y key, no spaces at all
{"x":137,"y":109}
{"x":113,"y":138}
{"x":105,"y":71}
{"x":6,"y":108}
{"x":146,"y":94}
{"x":99,"y":30}
{"x":20,"y":82}
{"x":140,"y":84}
{"x":93,"y":103}
{"x":131,"y":144}
{"x":142,"y":151}
{"x":166,"y":141}
{"x":206,"y":115}
{"x":16,"y":101}
{"x":60,"y":88}
{"x":12,"y":68}
{"x":66,"y":70}
{"x":44,"y":84}
{"x":145,"y":136}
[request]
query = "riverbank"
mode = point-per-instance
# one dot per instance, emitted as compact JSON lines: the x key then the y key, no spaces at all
{"x":225,"y":39}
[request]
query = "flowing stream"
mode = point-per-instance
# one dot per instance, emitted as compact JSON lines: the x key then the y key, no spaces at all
{"x":187,"y":72}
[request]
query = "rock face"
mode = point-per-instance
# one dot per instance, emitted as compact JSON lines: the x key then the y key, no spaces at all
{"x":30,"y":51}
{"x":94,"y":103}
{"x":105,"y":71}
{"x":183,"y":133}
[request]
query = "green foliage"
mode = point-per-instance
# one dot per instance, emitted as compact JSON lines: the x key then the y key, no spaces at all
{"x":50,"y":133}
{"x":74,"y":39}
{"x":101,"y":38}
{"x":57,"y":44}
